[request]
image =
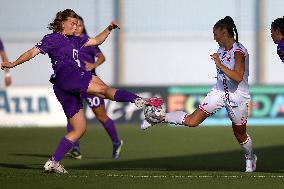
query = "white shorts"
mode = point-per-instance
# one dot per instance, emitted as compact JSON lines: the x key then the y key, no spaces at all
{"x":215,"y":100}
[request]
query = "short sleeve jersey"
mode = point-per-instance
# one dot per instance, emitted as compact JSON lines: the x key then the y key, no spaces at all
{"x":280,"y":50}
{"x":224,"y":83}
{"x":61,"y":49}
{"x":88,"y":54}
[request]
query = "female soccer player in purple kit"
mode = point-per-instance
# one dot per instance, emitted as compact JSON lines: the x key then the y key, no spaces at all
{"x":70,"y":81}
{"x":277,"y":35}
{"x":87,"y":60}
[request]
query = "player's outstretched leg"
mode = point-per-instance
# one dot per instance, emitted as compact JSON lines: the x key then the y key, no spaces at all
{"x":127,"y":96}
{"x":176,"y":117}
{"x":99,"y":88}
{"x":179,"y":118}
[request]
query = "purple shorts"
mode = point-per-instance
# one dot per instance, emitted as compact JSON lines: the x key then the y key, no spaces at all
{"x":70,"y":85}
{"x":94,"y":101}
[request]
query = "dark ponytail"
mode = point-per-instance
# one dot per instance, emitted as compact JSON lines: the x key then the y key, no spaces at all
{"x":278,"y":23}
{"x":228,"y":24}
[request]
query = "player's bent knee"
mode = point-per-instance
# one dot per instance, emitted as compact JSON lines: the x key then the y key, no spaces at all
{"x":239,"y":129}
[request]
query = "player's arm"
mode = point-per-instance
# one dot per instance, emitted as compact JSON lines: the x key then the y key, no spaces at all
{"x":238,"y":72}
{"x":4,"y":58}
{"x":100,"y":60}
{"x":23,"y":58}
{"x":8,"y":78}
{"x":100,"y":38}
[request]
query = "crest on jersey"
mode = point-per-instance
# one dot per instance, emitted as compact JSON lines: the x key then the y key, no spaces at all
{"x":228,"y":57}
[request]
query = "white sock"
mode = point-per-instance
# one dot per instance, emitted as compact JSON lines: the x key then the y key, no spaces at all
{"x":247,"y":148}
{"x":176,"y":117}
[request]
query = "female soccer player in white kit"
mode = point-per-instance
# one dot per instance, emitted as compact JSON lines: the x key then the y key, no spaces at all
{"x":231,"y":90}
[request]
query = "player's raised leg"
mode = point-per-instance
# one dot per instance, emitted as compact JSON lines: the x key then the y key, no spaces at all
{"x":189,"y":120}
{"x":180,"y":118}
{"x":99,"y":88}
{"x":212,"y":103}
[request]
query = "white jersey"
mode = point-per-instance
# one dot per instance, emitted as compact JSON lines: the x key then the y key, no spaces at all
{"x":233,"y":92}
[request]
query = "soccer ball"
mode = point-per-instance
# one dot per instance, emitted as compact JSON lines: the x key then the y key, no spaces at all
{"x":154,"y":114}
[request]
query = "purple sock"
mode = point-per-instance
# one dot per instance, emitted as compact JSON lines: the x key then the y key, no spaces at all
{"x":77,"y":143}
{"x":110,"y":129}
{"x":124,"y":96}
{"x":63,"y":147}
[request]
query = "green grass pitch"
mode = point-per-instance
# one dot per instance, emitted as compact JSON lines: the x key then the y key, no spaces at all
{"x":160,"y":157}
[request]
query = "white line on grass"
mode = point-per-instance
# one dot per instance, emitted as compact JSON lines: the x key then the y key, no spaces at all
{"x":191,"y":176}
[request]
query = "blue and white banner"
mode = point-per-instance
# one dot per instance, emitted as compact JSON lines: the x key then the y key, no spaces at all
{"x":266,"y":107}
{"x":30,"y":106}
{"x":38,"y":106}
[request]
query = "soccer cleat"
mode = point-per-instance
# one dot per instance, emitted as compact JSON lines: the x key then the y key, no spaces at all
{"x":117,"y":150}
{"x":155,"y":101}
{"x":75,"y":154}
{"x":251,"y":164}
{"x":146,"y":124}
{"x":142,"y":102}
{"x":52,"y":167}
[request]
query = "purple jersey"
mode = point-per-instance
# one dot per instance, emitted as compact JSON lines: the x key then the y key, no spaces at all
{"x":61,"y":49}
{"x":280,"y":50}
{"x":70,"y":81}
{"x":88,"y":54}
{"x":1,"y":46}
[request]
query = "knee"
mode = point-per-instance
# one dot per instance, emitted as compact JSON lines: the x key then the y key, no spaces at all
{"x":239,"y":130}
{"x":79,"y":132}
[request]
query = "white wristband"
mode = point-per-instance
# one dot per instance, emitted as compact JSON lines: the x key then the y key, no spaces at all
{"x":7,"y":74}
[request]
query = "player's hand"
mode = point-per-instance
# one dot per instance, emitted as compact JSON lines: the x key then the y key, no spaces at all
{"x":6,"y":65}
{"x":89,"y":66}
{"x":216,"y":59}
{"x":114,"y":25}
{"x":8,"y":79}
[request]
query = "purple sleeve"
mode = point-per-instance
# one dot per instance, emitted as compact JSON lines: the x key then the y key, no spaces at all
{"x":98,"y":51}
{"x":47,"y":43}
{"x":1,"y":46}
{"x":280,"y":51}
{"x":95,"y":50}
{"x":78,"y":41}
{"x":84,"y":40}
